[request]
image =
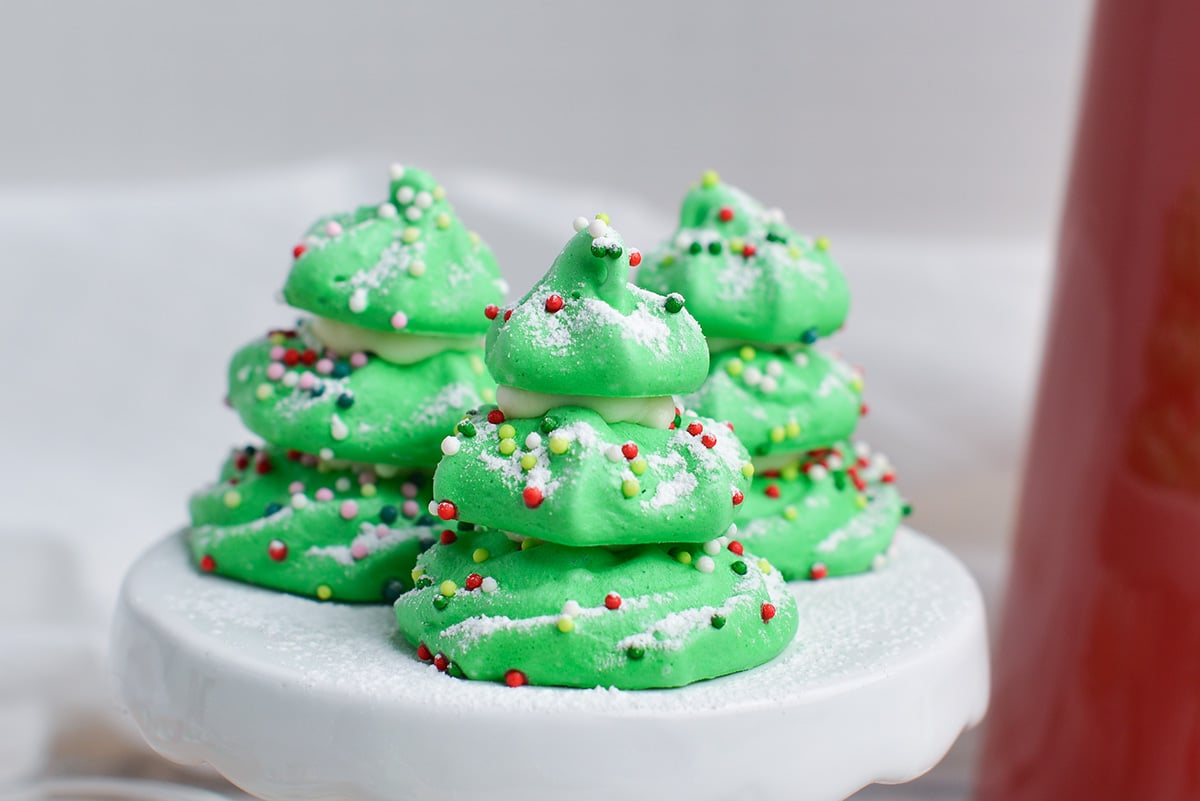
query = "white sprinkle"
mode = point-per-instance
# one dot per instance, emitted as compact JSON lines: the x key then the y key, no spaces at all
{"x":705,"y":564}
{"x":396,"y":171}
{"x":878,"y":562}
{"x":835,"y":461}
{"x":432,"y":507}
{"x":326,"y":454}
{"x":614,"y":454}
{"x":299,"y":500}
{"x":712,"y":547}
{"x":752,"y":376}
{"x":342,"y":484}
{"x":580,"y":223}
{"x":862,"y":449}
{"x":572,"y":608}
{"x":534,"y":440}
{"x":488,"y":585}
{"x":358,"y":300}
{"x":800,"y":359}
{"x":386,"y":211}
{"x":768,"y":384}
{"x":332,"y":228}
{"x":338,"y":429}
{"x":291,"y":379}
{"x":404,"y":195}
{"x":389,"y":471}
{"x":413,"y":213}
{"x":450,"y":446}
{"x":817,"y":473}
{"x":424,"y":200}
{"x":732,"y":531}
{"x":597,"y":228}
{"x":775,"y":369}
{"x":682,"y":241}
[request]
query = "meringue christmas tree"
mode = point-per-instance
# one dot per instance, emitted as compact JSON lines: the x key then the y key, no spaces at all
{"x":819,"y":504}
{"x":353,"y":402}
{"x":586,"y":517}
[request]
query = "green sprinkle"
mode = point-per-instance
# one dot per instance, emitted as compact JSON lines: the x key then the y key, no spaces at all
{"x":774,"y":237}
{"x":739,"y":567}
{"x":635,"y":653}
{"x":441,"y":602}
{"x":549,"y":424}
{"x":424,"y":581}
{"x":695,"y":248}
{"x":810,"y":336}
{"x":907,"y":509}
{"x":718,"y":622}
{"x":466,"y":428}
{"x":714,"y":247}
{"x":674,"y":303}
{"x":454,"y":671}
{"x":599,"y":251}
{"x":839,"y":480}
{"x":614,"y":251}
{"x":667,"y":260}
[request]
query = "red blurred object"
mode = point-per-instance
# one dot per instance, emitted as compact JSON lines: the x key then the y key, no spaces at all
{"x":1097,"y":689}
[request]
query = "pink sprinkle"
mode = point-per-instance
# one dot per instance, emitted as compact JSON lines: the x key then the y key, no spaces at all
{"x":399,"y":320}
{"x":332,"y":228}
{"x":358,"y":359}
{"x":309,"y":460}
{"x":409,"y":490}
{"x":366,"y":477}
{"x":295,"y":486}
{"x":324,"y":494}
{"x":275,"y":371}
{"x":410,"y":509}
{"x":324,"y":366}
{"x":307,"y":380}
{"x":358,"y":550}
{"x":349,"y":510}
{"x":382,"y":531}
{"x":277,"y":353}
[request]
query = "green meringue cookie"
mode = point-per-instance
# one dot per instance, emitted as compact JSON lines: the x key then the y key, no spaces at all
{"x":381,"y":413}
{"x":584,"y":330}
{"x":633,"y":618}
{"x":284,"y":520}
{"x":830,"y":515}
{"x":572,"y":478}
{"x":406,"y":264}
{"x":780,"y":402}
{"x":747,"y":275}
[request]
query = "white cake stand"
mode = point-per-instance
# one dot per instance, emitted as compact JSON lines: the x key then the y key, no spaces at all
{"x":294,"y":699}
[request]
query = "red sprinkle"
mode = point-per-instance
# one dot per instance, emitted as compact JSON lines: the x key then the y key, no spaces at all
{"x":491,"y":311}
{"x":748,"y":250}
{"x":515,"y":678}
{"x":772,"y":490}
{"x":277,"y":550}
{"x":474,"y":581}
{"x":738,"y":497}
{"x":291,"y":357}
{"x":423,"y":653}
{"x":533,"y":497}
{"x":495,"y":417}
{"x":554,"y":303}
{"x":862,"y":410}
{"x":263,"y":466}
{"x":736,"y":547}
{"x":768,"y":612}
{"x":859,"y":483}
{"x":709,"y":441}
{"x":729,"y":424}
{"x":242,"y":461}
{"x":298,"y":251}
{"x":818,"y":571}
{"x":441,"y":662}
{"x":309,"y":356}
{"x":725,"y":214}
{"x":447,"y":510}
{"x":635,"y":258}
{"x":630,"y":450}
{"x":694,"y":429}
{"x":507,"y":314}
{"x":448,"y":537}
{"x":888,"y":477}
{"x":293,"y":455}
{"x":612,"y":601}
{"x":207,"y":563}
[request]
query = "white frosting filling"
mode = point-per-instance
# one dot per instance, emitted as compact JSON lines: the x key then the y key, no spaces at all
{"x":393,"y":346}
{"x":657,"y":412}
{"x":719,"y":344}
{"x":775,"y":461}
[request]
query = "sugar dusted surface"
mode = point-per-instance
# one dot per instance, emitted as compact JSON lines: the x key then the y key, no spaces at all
{"x":850,"y":630}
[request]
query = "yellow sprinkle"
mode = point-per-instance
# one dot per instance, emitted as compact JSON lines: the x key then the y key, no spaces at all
{"x":794,"y":252}
{"x":488,"y":394}
{"x":792,"y":428}
{"x":734,"y":367}
{"x":559,"y":444}
{"x":442,"y":220}
{"x":790,"y":513}
{"x":710,"y":179}
{"x":684,"y":557}
{"x":411,"y":234}
{"x":417,"y":573}
{"x":856,"y":384}
{"x":529,"y":542}
{"x":233,"y":499}
{"x":324,"y":593}
{"x":480,"y":555}
{"x":474,"y":237}
{"x":861,"y":501}
{"x":630,"y":487}
{"x":416,"y":269}
{"x":747,"y":353}
{"x":566,"y":625}
{"x":447,"y":588}
{"x":822,"y":243}
{"x":638,"y":466}
{"x":668,"y":260}
{"x":765,"y":566}
{"x":528,"y":461}
{"x":790,"y":472}
{"x":277,"y":339}
{"x":506,"y":431}
{"x":369,"y":490}
{"x":439,"y":193}
{"x":777,"y":434}
{"x":264,"y":391}
{"x":604,"y":218}
{"x":508,"y":447}
{"x":737,"y":245}
{"x":748,"y":469}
